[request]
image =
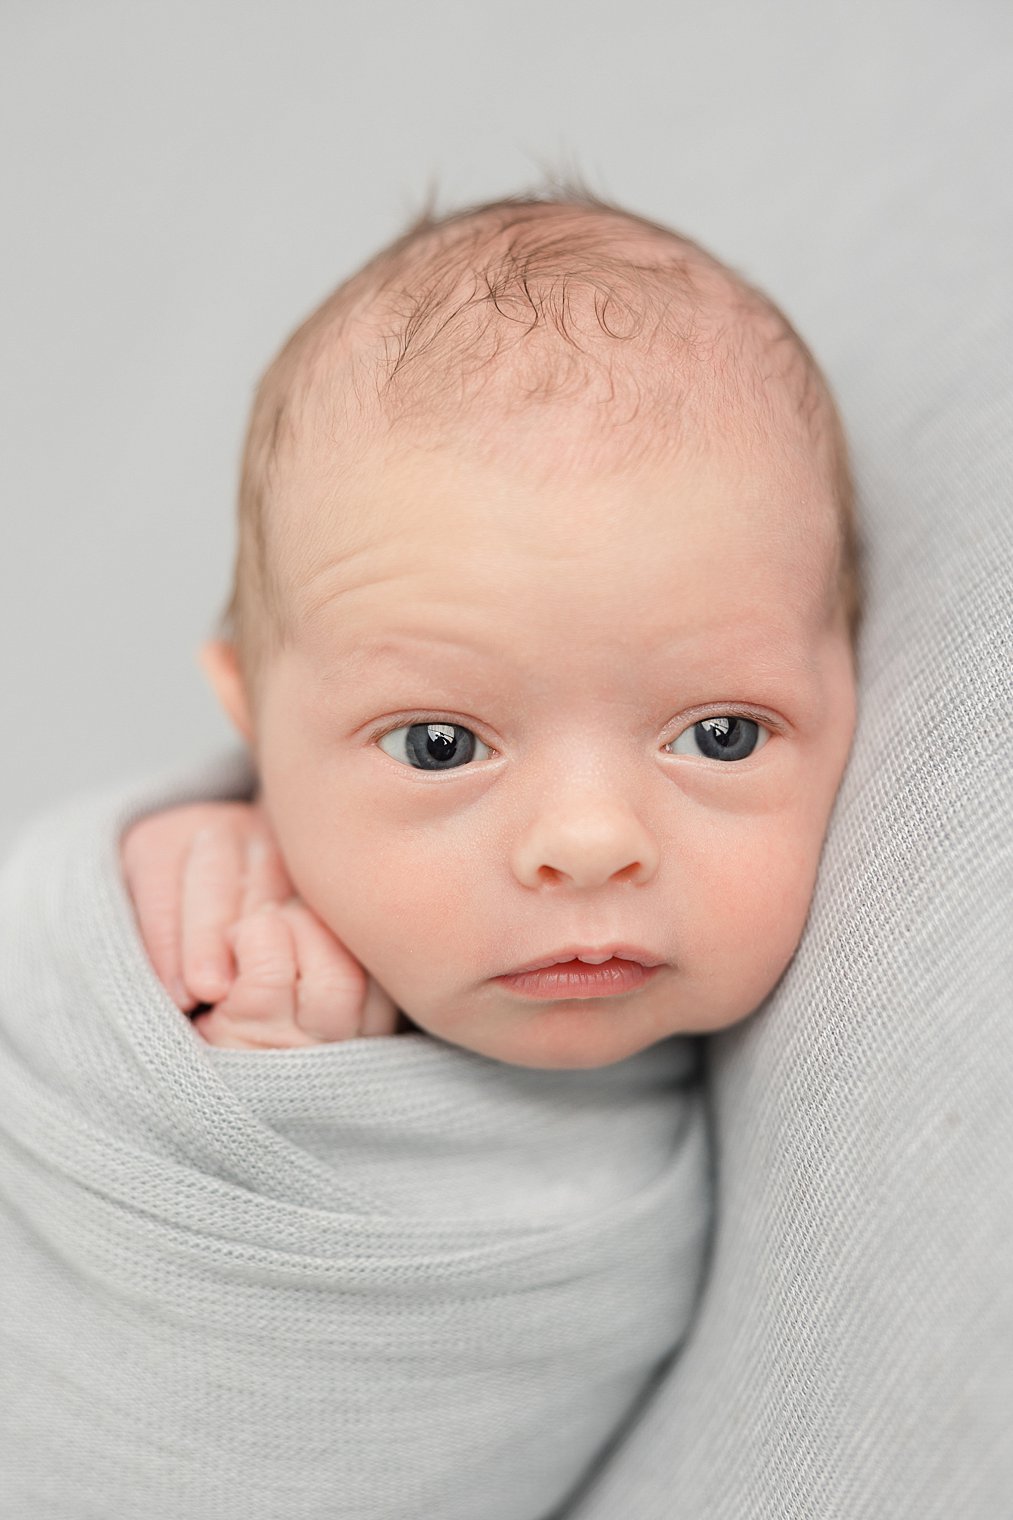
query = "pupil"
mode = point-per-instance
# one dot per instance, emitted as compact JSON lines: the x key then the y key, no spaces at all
{"x":441,"y":741}
{"x":439,"y":746}
{"x":720,"y":729}
{"x":727,"y":737}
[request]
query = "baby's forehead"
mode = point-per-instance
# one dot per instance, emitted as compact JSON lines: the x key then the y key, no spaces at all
{"x":605,"y":422}
{"x":534,"y":510}
{"x":563,"y":340}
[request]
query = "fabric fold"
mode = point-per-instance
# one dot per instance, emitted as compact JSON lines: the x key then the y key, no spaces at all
{"x":382,"y":1278}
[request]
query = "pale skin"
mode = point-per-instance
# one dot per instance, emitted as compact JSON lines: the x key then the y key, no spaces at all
{"x":222,"y":925}
{"x":578,"y":624}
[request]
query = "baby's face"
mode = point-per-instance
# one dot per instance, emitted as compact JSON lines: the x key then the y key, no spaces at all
{"x":497,"y":734}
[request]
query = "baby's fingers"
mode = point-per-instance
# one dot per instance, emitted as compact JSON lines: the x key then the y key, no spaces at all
{"x":296,"y":985}
{"x":233,"y":869}
{"x":211,"y":894}
{"x":266,"y":879}
{"x":259,"y":1010}
{"x":332,"y":985}
{"x":153,"y":854}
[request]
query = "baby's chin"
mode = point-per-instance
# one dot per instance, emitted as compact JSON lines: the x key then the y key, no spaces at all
{"x":567,"y":1034}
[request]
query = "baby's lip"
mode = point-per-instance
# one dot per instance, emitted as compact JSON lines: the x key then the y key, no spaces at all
{"x":592,"y":955}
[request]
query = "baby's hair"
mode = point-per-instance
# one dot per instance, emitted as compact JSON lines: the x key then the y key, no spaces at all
{"x":446,"y":312}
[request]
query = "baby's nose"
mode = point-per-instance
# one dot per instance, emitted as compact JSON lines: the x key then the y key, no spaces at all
{"x":586,"y":846}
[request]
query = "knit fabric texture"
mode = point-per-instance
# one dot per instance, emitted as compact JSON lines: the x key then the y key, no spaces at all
{"x":376,"y":1278}
{"x":851,"y":1355}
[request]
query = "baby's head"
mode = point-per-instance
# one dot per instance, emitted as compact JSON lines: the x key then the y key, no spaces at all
{"x":542,"y":633}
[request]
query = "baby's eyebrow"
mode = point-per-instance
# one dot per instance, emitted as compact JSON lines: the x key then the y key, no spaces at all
{"x":764,"y":658}
{"x":353,"y":657}
{"x":359,"y":650}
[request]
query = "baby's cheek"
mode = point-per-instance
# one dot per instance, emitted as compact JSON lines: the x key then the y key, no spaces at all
{"x":769,"y":931}
{"x":740,"y":931}
{"x":386,"y":910}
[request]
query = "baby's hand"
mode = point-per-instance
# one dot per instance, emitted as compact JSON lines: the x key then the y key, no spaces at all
{"x":192,"y":872}
{"x":297,"y":985}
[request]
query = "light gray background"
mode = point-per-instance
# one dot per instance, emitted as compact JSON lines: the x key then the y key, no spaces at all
{"x":182,"y":183}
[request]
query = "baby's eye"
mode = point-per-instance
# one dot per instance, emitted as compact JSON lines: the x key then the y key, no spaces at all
{"x":721,"y":738}
{"x":432,"y":746}
{"x":442,"y":746}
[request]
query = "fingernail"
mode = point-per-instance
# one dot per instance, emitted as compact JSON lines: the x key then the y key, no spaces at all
{"x":179,"y":993}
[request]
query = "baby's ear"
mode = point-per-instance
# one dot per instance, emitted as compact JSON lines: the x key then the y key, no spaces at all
{"x":218,"y":661}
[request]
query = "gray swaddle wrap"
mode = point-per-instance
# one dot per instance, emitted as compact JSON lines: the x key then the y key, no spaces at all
{"x":382,"y":1278}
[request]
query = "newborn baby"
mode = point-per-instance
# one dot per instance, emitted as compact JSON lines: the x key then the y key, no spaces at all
{"x":542,"y":640}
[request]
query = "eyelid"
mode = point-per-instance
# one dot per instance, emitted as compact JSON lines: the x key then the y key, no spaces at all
{"x":759,"y":715}
{"x":424,"y":716}
{"x":685,"y":720}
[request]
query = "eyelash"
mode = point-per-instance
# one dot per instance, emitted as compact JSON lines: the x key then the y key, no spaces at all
{"x":763,"y":720}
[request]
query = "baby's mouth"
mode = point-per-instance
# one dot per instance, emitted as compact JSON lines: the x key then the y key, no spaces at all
{"x":578,"y":979}
{"x":591,"y":956}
